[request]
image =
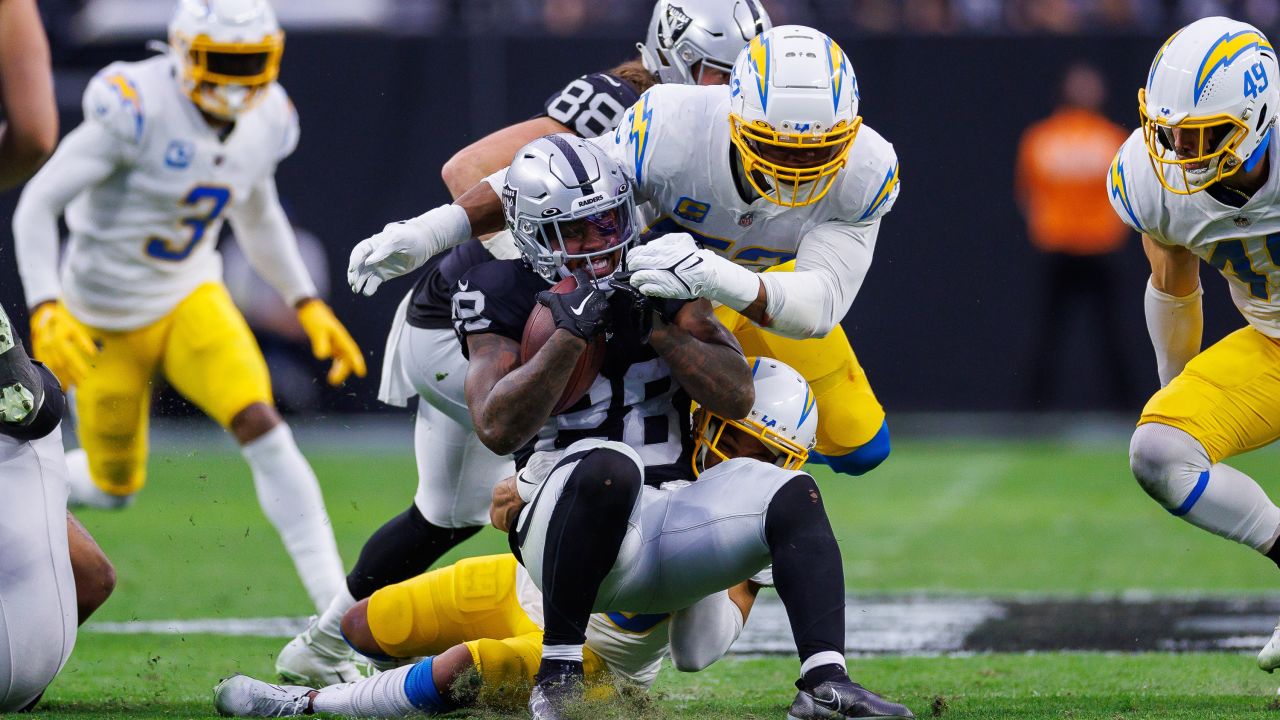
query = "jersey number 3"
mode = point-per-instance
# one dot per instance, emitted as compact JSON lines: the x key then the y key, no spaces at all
{"x":210,"y":197}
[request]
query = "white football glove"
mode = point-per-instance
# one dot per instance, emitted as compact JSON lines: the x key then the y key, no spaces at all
{"x":672,"y":266}
{"x":404,"y":246}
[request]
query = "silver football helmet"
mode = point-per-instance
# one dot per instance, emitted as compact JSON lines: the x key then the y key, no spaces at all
{"x":569,"y":206}
{"x":684,"y":33}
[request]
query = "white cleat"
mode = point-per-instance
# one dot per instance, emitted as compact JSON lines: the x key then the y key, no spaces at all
{"x":82,"y":492}
{"x":1269,"y":658}
{"x":242,"y":696}
{"x":310,"y":660}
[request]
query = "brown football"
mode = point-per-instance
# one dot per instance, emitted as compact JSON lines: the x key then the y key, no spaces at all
{"x":538,"y":329}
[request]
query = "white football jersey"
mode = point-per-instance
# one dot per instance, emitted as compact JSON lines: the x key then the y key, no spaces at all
{"x":1242,"y":243}
{"x":632,"y":645}
{"x":675,"y":142}
{"x":145,"y":237}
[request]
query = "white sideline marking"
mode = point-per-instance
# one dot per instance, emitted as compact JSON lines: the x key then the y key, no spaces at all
{"x":282,"y":627}
{"x":875,"y":625}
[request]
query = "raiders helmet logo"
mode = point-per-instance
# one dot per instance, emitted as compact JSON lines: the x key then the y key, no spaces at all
{"x":675,"y":23}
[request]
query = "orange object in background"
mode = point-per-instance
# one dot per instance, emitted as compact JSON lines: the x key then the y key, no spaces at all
{"x":1062,"y":165}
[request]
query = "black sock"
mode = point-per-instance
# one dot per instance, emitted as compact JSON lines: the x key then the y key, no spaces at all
{"x":807,"y":570}
{"x":550,"y":669}
{"x":1274,"y":553}
{"x":584,"y":534}
{"x":406,"y":546}
{"x":824,"y":673}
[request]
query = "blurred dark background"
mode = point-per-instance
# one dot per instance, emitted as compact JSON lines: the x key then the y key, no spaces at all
{"x":388,"y":90}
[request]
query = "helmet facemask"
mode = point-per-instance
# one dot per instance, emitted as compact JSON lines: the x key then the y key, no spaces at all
{"x":607,"y":227}
{"x":1216,"y":139}
{"x":709,"y":429}
{"x":226,"y":79}
{"x":800,"y":168}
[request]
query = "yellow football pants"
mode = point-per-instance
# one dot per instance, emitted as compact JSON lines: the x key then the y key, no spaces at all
{"x":848,"y":413}
{"x":471,"y":602}
{"x":1228,"y":397}
{"x":207,"y":353}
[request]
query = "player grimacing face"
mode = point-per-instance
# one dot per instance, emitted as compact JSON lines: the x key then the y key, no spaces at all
{"x":600,"y":237}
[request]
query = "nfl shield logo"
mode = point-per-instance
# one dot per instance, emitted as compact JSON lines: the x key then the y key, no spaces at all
{"x":745,"y":219}
{"x":1241,"y":221}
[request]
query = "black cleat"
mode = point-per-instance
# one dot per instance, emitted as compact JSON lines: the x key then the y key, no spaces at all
{"x":842,"y":700}
{"x":556,"y":690}
{"x":21,"y":388}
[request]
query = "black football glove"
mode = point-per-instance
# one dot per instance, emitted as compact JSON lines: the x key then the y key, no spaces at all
{"x":583,"y":311}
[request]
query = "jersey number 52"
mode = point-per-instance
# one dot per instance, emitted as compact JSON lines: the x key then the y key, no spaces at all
{"x":213,"y":199}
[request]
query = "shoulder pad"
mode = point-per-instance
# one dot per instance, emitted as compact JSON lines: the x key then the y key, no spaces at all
{"x":495,"y":297}
{"x":591,"y":105}
{"x":114,"y":99}
{"x":1125,"y":182}
{"x":872,"y":186}
{"x":656,"y":121}
{"x":284,"y":116}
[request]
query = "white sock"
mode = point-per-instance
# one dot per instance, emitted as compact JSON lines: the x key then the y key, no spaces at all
{"x":381,"y":696}
{"x":328,"y":630}
{"x":81,"y":490}
{"x":1174,"y":468}
{"x":562,"y":652}
{"x":290,"y":496}
{"x":817,"y":660}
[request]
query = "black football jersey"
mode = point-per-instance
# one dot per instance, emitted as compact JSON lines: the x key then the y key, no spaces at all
{"x":634,"y":400}
{"x":591,"y":105}
{"x":429,"y":307}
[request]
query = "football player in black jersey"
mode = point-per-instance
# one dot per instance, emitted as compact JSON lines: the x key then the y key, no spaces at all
{"x":570,"y":209}
{"x":688,"y":41}
{"x":53,"y":575}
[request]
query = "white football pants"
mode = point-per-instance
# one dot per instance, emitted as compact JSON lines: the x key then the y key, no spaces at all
{"x":456,"y":472}
{"x":37,"y":590}
{"x":684,"y":541}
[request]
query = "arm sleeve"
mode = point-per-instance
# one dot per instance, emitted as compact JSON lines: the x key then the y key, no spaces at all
{"x":85,"y":157}
{"x":267,"y":240}
{"x":703,"y":632}
{"x":830,"y":266}
{"x":1176,"y":325}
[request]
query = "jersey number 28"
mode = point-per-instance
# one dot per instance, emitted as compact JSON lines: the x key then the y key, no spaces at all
{"x":214,"y":199}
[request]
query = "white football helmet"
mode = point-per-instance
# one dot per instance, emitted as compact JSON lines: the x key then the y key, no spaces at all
{"x":561,"y":187}
{"x":784,"y":418}
{"x":705,"y":33}
{"x":1209,"y":103}
{"x":793,"y":113}
{"x":228,"y":53}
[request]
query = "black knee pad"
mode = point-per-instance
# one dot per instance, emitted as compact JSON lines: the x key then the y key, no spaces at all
{"x":607,"y":479}
{"x":797,"y":505}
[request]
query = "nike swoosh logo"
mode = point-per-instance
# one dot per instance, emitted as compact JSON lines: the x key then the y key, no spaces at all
{"x":610,"y":80}
{"x":582,"y":305}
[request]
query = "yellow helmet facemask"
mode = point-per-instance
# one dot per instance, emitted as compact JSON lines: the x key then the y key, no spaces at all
{"x":792,"y":185}
{"x":211,"y":68}
{"x":1217,"y":138}
{"x":709,"y":428}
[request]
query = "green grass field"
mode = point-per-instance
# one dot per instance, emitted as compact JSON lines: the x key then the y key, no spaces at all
{"x":944,"y":517}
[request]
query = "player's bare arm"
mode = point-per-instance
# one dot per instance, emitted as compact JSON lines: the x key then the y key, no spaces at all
{"x":26,"y":92}
{"x":1174,"y":270}
{"x":510,"y":401}
{"x":705,"y":359}
{"x":493,"y":152}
